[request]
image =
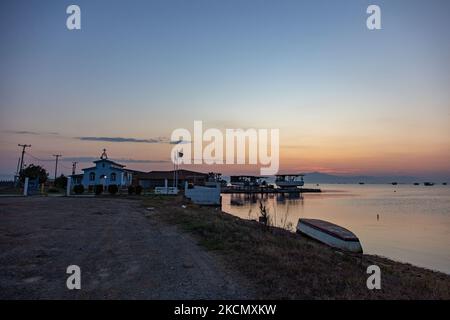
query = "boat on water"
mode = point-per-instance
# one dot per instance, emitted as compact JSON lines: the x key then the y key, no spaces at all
{"x":444,"y":183}
{"x":330,"y":234}
{"x":361,"y":183}
{"x":246,"y":181}
{"x":428,"y":184}
{"x":236,"y":202}
{"x":394,"y":183}
{"x":215,"y":178}
{"x":416,"y":183}
{"x":289,"y":180}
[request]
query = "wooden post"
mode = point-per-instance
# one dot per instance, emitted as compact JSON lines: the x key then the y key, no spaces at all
{"x":68,"y":186}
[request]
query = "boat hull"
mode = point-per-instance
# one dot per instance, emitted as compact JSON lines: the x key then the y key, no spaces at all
{"x":329,"y":234}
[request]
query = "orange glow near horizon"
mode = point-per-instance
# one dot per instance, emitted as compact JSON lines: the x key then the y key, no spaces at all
{"x":332,"y":155}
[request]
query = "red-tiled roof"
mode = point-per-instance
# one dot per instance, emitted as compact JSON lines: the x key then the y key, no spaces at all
{"x":134,"y":171}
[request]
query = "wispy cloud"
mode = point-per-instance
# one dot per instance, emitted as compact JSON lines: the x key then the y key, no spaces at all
{"x":141,"y":161}
{"x":122,"y":160}
{"x":122,"y":139}
{"x":180,"y":142}
{"x":30,"y":132}
{"x":297,"y":146}
{"x":163,"y":140}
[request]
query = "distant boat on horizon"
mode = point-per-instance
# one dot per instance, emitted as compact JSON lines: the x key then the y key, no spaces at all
{"x":361,"y":183}
{"x":444,"y":183}
{"x":428,"y":184}
{"x":394,"y":183}
{"x":416,"y":183}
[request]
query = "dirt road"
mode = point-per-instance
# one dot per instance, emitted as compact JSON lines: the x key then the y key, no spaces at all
{"x":122,"y":254}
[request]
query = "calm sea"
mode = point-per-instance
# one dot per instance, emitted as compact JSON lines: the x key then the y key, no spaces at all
{"x":413,"y":223}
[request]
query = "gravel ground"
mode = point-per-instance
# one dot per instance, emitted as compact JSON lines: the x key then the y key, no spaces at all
{"x":122,"y":252}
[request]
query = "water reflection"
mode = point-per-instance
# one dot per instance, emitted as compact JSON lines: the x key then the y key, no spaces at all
{"x":405,"y":223}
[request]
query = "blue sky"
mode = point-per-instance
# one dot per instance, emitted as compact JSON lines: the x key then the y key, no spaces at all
{"x":139,"y":69}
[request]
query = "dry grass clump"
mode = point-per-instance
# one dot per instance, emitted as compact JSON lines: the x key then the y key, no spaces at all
{"x":283,"y":265}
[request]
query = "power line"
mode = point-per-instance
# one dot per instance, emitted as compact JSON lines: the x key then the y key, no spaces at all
{"x":38,"y":159}
{"x":60,"y":163}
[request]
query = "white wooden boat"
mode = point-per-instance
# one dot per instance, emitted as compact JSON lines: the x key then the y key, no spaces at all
{"x":289,"y":180}
{"x":331,"y":234}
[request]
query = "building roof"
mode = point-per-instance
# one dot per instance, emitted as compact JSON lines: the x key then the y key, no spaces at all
{"x":106,"y":160}
{"x":182,"y":174}
{"x":134,"y":171}
{"x":88,"y":168}
{"x":110,"y":161}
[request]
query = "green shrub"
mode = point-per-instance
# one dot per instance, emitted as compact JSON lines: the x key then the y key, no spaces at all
{"x":61,"y":182}
{"x":138,"y":189}
{"x":113,"y":189}
{"x":98,"y":189}
{"x":131,"y":190}
{"x":78,"y":189}
{"x":53,"y":190}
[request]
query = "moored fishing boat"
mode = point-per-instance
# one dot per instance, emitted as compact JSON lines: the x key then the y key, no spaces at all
{"x":289,"y":180}
{"x":329,"y":233}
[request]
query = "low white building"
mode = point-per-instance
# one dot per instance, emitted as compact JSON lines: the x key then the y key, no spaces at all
{"x":204,"y":195}
{"x":106,"y":172}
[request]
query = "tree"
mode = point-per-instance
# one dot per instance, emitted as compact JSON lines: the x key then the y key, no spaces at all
{"x":34,"y":172}
{"x":61,"y":182}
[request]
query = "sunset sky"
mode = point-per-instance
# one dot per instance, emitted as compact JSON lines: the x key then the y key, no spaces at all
{"x":347,"y":100}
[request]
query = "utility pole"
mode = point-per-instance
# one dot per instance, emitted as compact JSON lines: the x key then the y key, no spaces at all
{"x":18,"y":164}
{"x":16,"y":176}
{"x":56,"y":164}
{"x":74,"y":167}
{"x":24,"y":146}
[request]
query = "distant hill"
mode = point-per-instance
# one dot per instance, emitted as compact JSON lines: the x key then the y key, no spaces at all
{"x":317,"y":177}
